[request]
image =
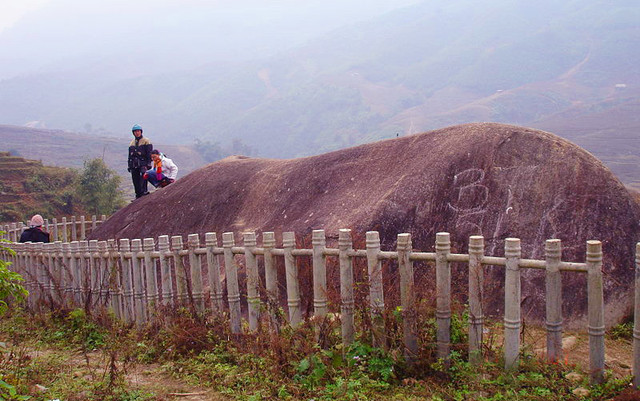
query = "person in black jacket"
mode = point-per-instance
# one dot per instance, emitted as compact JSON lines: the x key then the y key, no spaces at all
{"x":34,"y":233}
{"x":139,"y":160}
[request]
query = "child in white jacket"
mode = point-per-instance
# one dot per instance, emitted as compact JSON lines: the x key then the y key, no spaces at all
{"x":164,"y":171}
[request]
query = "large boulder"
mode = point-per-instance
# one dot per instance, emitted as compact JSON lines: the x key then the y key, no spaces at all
{"x":492,"y":179}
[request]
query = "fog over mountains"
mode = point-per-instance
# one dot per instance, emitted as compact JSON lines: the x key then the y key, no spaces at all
{"x":294,"y":79}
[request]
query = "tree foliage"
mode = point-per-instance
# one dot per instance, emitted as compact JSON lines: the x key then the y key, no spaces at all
{"x":97,"y":187}
{"x":10,"y":288}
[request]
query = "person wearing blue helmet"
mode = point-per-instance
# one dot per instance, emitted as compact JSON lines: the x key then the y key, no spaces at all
{"x":139,"y":160}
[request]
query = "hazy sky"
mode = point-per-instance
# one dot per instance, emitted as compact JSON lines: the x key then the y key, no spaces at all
{"x":13,"y":10}
{"x":38,"y":35}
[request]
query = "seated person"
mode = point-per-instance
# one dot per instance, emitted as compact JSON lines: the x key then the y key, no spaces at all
{"x":35,"y":233}
{"x":164,"y":170}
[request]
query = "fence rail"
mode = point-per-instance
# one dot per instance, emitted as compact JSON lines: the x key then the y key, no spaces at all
{"x":137,"y":278}
{"x":67,"y":230}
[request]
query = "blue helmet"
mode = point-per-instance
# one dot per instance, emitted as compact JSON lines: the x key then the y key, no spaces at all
{"x":136,"y":127}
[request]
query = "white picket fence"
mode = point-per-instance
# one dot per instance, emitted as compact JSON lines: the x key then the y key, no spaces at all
{"x":68,"y":229}
{"x":137,"y":278}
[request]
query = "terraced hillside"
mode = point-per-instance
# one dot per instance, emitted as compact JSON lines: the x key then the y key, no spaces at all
{"x":28,"y":187}
{"x":68,"y":149}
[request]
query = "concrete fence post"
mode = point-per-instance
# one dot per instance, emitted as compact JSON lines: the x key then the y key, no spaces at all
{"x":512,"y":295}
{"x":291,"y":275}
{"x":271,"y":277}
{"x":35,"y":266}
{"x":58,"y":272}
{"x":319,"y":243}
{"x":443,"y":295}
{"x":75,"y":273}
{"x":138,"y":282}
{"x":54,"y":232}
{"x":32,"y":273}
{"x":115,"y":284}
{"x":48,"y":272}
{"x":105,"y":273}
{"x":376,"y":292}
{"x":74,"y":229}
{"x":128,"y":313}
{"x":10,"y":232}
{"x":476,"y":292}
{"x":65,"y":228}
{"x":85,"y":276}
{"x":94,"y":265}
{"x":595,"y":305}
{"x":195,"y":267}
{"x":345,"y":246}
{"x":407,"y":297}
{"x":213,"y":264}
{"x":67,"y":274}
{"x":25,"y":268}
{"x":22,"y":267}
{"x":253,"y":280}
{"x":180,"y":270}
{"x":83,"y":228}
{"x":553,"y":286}
{"x":165,"y":271}
{"x":636,"y":323}
{"x":40,"y":273}
{"x":233,"y":289}
{"x":93,"y":223}
{"x":148,"y":246}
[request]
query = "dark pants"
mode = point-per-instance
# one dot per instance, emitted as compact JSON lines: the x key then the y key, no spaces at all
{"x":152,"y":178}
{"x":139,"y":183}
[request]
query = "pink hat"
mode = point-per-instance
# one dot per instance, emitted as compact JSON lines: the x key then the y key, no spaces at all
{"x":36,"y":221}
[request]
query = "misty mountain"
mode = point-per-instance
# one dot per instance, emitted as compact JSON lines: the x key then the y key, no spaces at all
{"x":550,"y":65}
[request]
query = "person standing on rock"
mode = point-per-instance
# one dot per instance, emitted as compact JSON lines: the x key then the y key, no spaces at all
{"x":164,"y":171}
{"x":34,"y":233}
{"x":139,"y":160}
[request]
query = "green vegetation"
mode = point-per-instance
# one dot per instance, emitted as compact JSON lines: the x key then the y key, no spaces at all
{"x":97,"y":188}
{"x":29,"y":187}
{"x":200,"y":354}
{"x":10,"y":291}
{"x":623,"y":330}
{"x":53,"y":191}
{"x":70,"y":355}
{"x":10,"y":288}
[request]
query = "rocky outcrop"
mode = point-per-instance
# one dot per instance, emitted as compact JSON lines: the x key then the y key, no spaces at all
{"x":496,"y":180}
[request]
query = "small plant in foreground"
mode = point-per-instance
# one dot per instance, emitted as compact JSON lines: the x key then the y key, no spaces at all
{"x":9,"y":392}
{"x":10,"y":287}
{"x":622,"y":331}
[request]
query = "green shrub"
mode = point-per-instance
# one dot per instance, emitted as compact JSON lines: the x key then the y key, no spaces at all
{"x":10,"y":288}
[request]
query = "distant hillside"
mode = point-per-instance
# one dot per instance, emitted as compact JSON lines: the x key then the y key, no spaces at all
{"x":29,"y":187}
{"x":67,"y":149}
{"x":567,"y":67}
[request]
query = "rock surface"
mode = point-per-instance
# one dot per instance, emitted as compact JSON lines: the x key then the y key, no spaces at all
{"x":484,"y":178}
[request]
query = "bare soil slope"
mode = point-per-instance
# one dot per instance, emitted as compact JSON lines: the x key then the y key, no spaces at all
{"x":492,"y":179}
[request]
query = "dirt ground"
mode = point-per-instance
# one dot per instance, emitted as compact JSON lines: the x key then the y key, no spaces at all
{"x":618,"y":353}
{"x":150,"y":378}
